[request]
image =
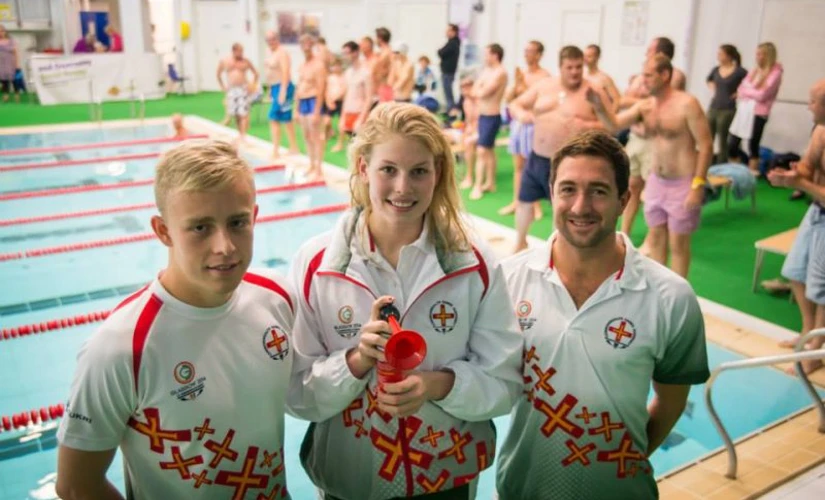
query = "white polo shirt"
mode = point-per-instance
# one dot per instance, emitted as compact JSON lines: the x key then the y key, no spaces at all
{"x":194,"y":397}
{"x":579,"y":429}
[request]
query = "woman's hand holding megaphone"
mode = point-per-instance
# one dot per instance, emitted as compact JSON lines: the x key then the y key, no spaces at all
{"x":373,"y":338}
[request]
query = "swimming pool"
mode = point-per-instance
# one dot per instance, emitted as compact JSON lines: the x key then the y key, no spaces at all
{"x":51,"y":271}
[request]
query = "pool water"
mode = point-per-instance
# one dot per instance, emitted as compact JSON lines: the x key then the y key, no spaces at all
{"x":35,"y":371}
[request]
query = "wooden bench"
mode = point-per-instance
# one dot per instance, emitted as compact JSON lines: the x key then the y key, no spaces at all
{"x":725,"y":184}
{"x":779,"y":244}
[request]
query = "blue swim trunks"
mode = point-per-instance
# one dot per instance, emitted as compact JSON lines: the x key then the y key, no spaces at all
{"x":306,"y":106}
{"x":282,"y":112}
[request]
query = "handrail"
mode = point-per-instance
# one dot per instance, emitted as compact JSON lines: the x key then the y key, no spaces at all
{"x":797,"y":357}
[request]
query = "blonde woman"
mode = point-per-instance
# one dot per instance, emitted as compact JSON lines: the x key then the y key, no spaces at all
{"x":762,"y":86}
{"x":403,"y":242}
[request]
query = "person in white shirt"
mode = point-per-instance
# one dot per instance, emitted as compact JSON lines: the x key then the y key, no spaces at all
{"x":600,"y":322}
{"x":189,"y":375}
{"x":404,"y":242}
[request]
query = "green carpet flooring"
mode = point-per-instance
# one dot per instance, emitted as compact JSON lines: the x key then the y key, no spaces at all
{"x":723,"y":252}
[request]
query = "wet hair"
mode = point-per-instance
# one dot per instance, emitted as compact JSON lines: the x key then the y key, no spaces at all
{"x":447,"y":228}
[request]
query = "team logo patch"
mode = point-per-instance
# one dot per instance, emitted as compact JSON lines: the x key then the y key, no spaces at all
{"x":345,"y":327}
{"x":192,"y":387}
{"x":345,"y":315}
{"x":276,"y":343}
{"x":443,"y":316}
{"x":619,"y":333}
{"x":523,"y":310}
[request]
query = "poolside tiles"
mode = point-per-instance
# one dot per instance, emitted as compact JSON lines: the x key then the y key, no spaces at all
{"x":766,"y":460}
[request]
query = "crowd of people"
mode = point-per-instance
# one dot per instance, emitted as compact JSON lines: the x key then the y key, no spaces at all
{"x":551,"y":335}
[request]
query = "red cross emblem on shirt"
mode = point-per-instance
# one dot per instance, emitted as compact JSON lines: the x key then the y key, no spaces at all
{"x":276,"y":343}
{"x":619,"y":333}
{"x":621,"y":456}
{"x":245,"y":479}
{"x":393,"y":451}
{"x":432,"y":437}
{"x":372,"y":406}
{"x":433,"y":486}
{"x":606,"y":428}
{"x":557,"y":417}
{"x":457,"y":449}
{"x":222,"y":450}
{"x":157,"y":435}
{"x":356,"y":404}
{"x":577,"y":454}
{"x":182,"y":465}
{"x":443,"y":321}
{"x":204,"y":429}
{"x":543,"y":379}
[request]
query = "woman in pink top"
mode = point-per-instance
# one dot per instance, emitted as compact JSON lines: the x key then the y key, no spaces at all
{"x":761,"y":85}
{"x":115,"y":40}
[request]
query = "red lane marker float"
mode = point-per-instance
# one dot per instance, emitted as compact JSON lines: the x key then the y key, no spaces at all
{"x":71,"y":163}
{"x":35,"y":416}
{"x":103,"y":187}
{"x":41,"y":252}
{"x":96,"y":145}
{"x":88,"y":318}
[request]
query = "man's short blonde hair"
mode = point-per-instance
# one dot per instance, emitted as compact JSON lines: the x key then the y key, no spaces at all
{"x":198,"y":166}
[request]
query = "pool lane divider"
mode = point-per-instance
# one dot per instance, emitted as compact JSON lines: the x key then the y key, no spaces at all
{"x":74,"y":247}
{"x":23,"y":419}
{"x":94,"y":317}
{"x":97,"y":145}
{"x":37,"y":193}
{"x":74,"y":163}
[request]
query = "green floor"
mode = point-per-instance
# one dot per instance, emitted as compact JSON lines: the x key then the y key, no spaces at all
{"x":723,"y":253}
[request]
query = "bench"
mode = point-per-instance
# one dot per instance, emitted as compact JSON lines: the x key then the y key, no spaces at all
{"x":725,"y":184}
{"x":779,"y":244}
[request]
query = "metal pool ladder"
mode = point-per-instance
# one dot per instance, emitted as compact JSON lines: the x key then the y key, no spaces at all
{"x":797,"y":356}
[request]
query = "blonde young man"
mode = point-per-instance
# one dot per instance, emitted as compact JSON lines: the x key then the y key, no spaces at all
{"x":181,"y":373}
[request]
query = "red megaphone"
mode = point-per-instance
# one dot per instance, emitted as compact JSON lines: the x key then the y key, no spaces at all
{"x":405,"y":349}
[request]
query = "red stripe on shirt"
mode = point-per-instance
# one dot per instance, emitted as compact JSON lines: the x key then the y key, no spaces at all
{"x":144,"y":324}
{"x":267,"y":283}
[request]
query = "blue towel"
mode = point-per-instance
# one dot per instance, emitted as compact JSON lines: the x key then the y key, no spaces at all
{"x":743,"y":182}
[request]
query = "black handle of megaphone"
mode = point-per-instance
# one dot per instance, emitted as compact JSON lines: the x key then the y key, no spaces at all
{"x":388,"y":310}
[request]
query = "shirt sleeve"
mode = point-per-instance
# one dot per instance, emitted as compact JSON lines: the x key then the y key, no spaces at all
{"x":489,"y":380}
{"x":322,"y":384}
{"x":684,"y":359}
{"x":102,"y":395}
{"x":711,"y":74}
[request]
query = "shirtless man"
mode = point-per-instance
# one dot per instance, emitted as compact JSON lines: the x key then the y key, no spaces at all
{"x":805,"y":264}
{"x":558,"y":108}
{"x":640,"y":149}
{"x":402,"y":74}
{"x":278,"y":73}
{"x":682,"y":150}
{"x":323,"y":52}
{"x":489,"y":90}
{"x":356,"y":79}
{"x":663,"y":45}
{"x":238,"y":89}
{"x":336,"y":88}
{"x":381,"y":67}
{"x":597,"y":77}
{"x":312,"y":79}
{"x":521,"y":134}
